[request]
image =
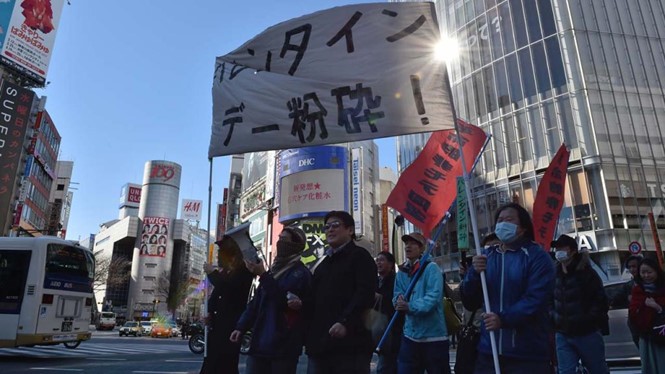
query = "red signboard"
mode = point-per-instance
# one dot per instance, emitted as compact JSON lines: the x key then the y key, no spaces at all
{"x":134,"y":195}
{"x":385,"y":246}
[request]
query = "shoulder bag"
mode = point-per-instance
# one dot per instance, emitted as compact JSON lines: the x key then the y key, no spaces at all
{"x":467,"y":347}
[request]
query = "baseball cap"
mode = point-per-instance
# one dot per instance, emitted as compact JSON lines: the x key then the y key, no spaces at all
{"x":415,"y":236}
{"x":564,"y":241}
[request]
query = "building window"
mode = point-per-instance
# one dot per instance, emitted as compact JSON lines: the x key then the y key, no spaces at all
{"x":61,"y":187}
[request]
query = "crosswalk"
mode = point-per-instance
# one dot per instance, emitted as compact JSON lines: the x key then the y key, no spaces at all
{"x":91,"y":350}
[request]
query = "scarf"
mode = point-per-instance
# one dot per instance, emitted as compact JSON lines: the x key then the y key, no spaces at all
{"x":649,"y":287}
{"x":288,"y":254}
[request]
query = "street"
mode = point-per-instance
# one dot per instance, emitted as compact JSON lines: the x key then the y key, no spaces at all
{"x":108,"y":353}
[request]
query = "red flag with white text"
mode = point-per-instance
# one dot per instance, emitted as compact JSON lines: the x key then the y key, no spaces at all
{"x":549,"y":198}
{"x":427,"y":188}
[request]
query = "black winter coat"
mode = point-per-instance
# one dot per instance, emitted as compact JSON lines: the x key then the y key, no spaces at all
{"x":386,"y":288}
{"x":580,"y":303}
{"x":343,"y":291}
{"x":227,"y":302}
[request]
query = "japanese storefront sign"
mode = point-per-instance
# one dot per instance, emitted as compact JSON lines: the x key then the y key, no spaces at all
{"x":130,"y":195}
{"x":191,"y":209}
{"x":549,"y":198}
{"x":313,"y":181}
{"x":356,"y":189}
{"x":426,"y":189}
{"x":462,"y":216}
{"x":155,"y":236}
{"x":14,"y":116}
{"x":345,"y":74}
{"x":29,"y":35}
{"x":385,"y":231}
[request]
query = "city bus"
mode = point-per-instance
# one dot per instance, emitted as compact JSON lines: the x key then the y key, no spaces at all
{"x":46,"y":294}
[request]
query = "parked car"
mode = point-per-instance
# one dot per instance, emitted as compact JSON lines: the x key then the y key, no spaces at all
{"x":619,"y":346}
{"x":131,"y":328}
{"x":146,"y":327}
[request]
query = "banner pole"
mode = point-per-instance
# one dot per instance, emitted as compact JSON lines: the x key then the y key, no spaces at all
{"x":209,"y":260}
{"x":474,"y":225}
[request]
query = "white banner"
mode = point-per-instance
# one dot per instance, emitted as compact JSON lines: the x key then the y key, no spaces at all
{"x":356,"y":190}
{"x":191,"y":209}
{"x":344,"y":74}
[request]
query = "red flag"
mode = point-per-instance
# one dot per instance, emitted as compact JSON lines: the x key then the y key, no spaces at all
{"x":427,"y":188}
{"x":549,"y":198}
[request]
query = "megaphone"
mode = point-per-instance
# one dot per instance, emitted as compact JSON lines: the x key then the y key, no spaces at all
{"x":238,"y":242}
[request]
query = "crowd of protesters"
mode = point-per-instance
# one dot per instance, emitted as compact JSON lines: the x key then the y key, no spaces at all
{"x":547,"y":312}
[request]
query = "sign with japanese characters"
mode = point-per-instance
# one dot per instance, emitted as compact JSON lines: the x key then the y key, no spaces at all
{"x":191,"y":209}
{"x":15,"y":108}
{"x":313,"y":182}
{"x":462,"y":222}
{"x":426,"y":189}
{"x":154,"y":236}
{"x":345,"y":74}
{"x":28,"y":35}
{"x":549,"y":198}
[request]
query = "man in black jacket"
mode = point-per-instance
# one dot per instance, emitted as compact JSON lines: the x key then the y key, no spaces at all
{"x":385,"y":264}
{"x":338,"y":340}
{"x":580,"y":310}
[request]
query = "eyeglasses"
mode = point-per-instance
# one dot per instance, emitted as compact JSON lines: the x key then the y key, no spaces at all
{"x":332,"y":225}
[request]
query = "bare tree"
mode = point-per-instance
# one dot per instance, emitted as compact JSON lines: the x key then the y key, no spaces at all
{"x":110,"y":272}
{"x":174,"y":295}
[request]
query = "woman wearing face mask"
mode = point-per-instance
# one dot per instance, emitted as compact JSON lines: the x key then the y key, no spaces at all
{"x":647,"y":305}
{"x":275,"y":313}
{"x":520,"y":281}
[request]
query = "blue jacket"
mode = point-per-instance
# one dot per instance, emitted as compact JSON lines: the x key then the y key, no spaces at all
{"x":424,"y":320}
{"x":277,"y":330}
{"x":520,"y":284}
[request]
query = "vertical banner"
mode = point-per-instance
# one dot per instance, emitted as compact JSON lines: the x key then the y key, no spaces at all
{"x":425,"y":190}
{"x":16,"y":107}
{"x":155,"y":236}
{"x":549,"y":198}
{"x":656,"y":240}
{"x":462,"y":216}
{"x":385,"y":246}
{"x":356,"y":191}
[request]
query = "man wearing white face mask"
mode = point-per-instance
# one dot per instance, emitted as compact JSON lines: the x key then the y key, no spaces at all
{"x":580,"y":310}
{"x":520,"y":280}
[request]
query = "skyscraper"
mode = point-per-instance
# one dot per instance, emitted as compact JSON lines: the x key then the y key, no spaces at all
{"x":538,"y":73}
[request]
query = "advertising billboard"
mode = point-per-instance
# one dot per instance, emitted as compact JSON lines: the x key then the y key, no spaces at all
{"x":154,"y":236}
{"x":191,"y":209}
{"x":164,"y":173}
{"x":254,"y":168}
{"x":313,"y":181}
{"x":15,"y":114}
{"x":356,"y":191}
{"x":130,"y":195}
{"x":316,"y":241}
{"x":28,"y":35}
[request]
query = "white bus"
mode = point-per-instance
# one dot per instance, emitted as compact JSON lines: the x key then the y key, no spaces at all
{"x":106,"y":321}
{"x":45,"y":292}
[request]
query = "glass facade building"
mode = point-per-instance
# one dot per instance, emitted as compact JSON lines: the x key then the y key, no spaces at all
{"x":590,"y":74}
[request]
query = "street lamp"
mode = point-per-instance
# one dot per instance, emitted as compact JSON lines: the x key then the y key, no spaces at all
{"x":154,"y":306}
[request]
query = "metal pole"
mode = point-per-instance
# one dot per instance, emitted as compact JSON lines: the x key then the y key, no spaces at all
{"x":474,"y":227}
{"x":206,"y":285}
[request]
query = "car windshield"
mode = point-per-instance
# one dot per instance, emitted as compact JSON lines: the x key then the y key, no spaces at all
{"x":131,"y":324}
{"x":146,"y":323}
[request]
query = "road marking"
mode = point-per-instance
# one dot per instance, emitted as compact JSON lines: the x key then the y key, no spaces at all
{"x":182,"y":360}
{"x":160,"y":372}
{"x":106,"y":359}
{"x":56,"y":369}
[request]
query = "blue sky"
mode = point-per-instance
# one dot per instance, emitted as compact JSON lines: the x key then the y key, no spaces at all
{"x":130,"y":81}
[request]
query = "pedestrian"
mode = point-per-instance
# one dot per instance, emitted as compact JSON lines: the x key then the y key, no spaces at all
{"x":647,"y":309}
{"x":275,"y":314}
{"x":622,"y":299}
{"x":424,"y":346}
{"x":580,"y":310}
{"x":520,"y":281}
{"x":338,"y":341}
{"x":226,"y":303}
{"x":385,"y":265}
